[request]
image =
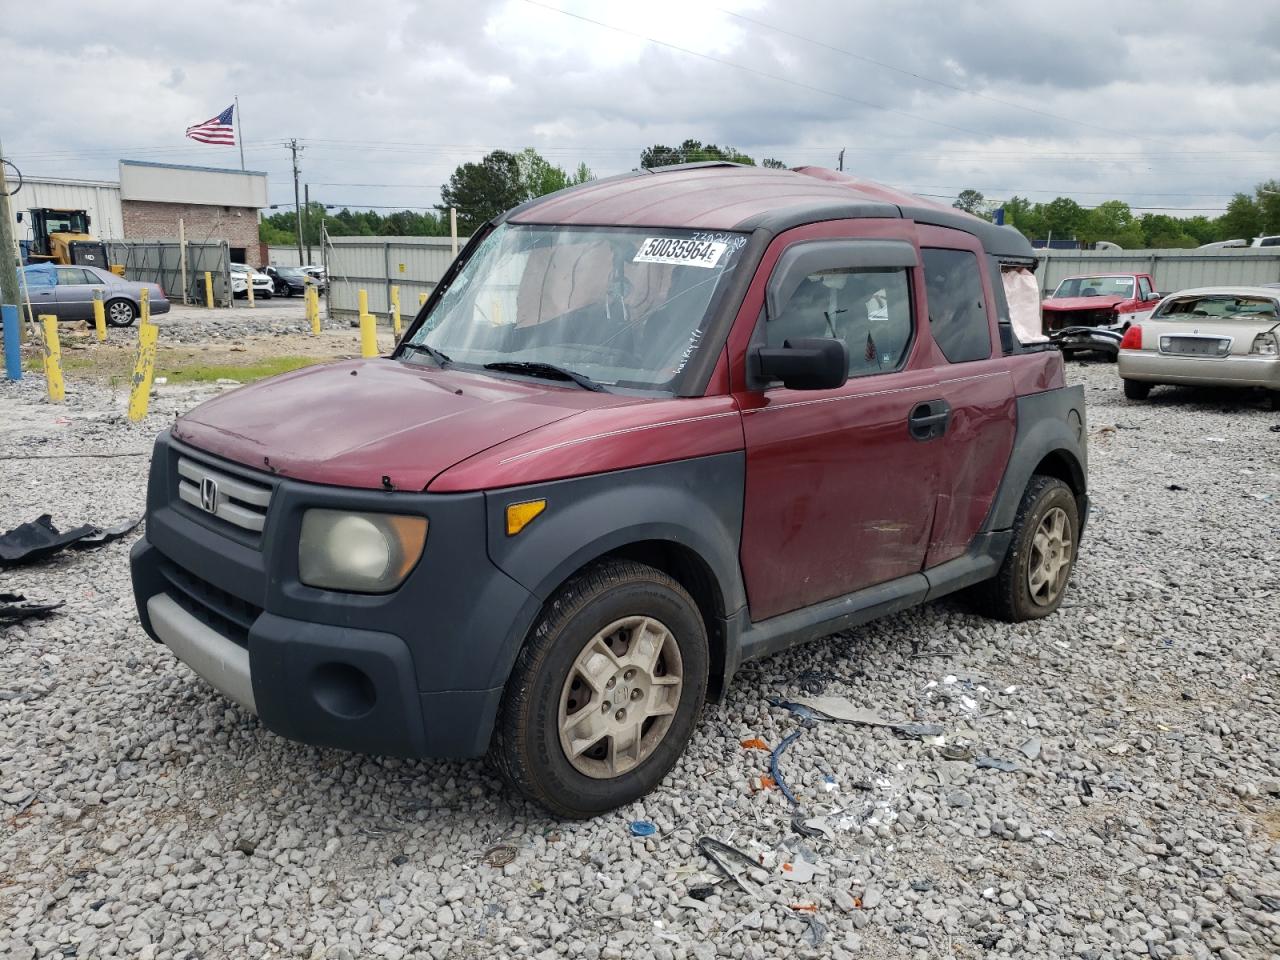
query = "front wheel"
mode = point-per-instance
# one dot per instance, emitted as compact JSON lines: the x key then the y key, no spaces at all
{"x":1136,"y":389}
{"x":605,"y":692}
{"x":1033,"y":578}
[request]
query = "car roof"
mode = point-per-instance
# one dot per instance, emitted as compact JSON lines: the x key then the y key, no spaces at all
{"x":1241,"y":290}
{"x":1081,"y":276}
{"x":730,"y":196}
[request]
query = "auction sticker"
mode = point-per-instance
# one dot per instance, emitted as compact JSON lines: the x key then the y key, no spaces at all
{"x":681,"y":251}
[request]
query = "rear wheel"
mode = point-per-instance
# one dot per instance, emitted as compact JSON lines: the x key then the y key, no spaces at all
{"x":1033,"y":578}
{"x":605,"y":693}
{"x":120,"y":313}
{"x":1136,"y":389}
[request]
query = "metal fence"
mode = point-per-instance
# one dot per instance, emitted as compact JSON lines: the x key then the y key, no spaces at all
{"x":1173,"y":270}
{"x":161,"y":262}
{"x":374,"y":264}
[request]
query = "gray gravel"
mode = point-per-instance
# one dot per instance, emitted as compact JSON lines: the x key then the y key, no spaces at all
{"x":279,"y":316}
{"x":145,"y":816}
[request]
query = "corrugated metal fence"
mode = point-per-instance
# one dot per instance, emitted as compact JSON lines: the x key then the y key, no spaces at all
{"x":373,"y":264}
{"x":160,"y":262}
{"x":1173,"y":270}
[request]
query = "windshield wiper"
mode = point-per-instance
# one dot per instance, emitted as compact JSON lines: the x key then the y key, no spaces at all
{"x":546,"y":371}
{"x":439,"y":356}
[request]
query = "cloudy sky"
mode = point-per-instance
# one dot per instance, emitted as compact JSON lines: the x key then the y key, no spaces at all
{"x":1163,"y":105}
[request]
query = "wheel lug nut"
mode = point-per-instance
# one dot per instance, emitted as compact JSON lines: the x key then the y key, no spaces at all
{"x":620,"y":715}
{"x":636,"y":694}
{"x":606,"y":707}
{"x":628,"y":675}
{"x":612,"y":682}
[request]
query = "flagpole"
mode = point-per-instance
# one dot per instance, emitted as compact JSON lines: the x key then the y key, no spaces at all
{"x":239,"y":132}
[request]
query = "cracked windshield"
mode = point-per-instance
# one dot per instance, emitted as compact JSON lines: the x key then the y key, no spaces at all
{"x":607,"y":307}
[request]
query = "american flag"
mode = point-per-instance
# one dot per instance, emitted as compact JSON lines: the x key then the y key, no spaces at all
{"x":218,"y":130}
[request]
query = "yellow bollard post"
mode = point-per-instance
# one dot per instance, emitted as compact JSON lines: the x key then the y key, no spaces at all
{"x":313,"y":310}
{"x":368,"y":336}
{"x":422,"y":300}
{"x":208,"y":289}
{"x":248,"y":286}
{"x":99,"y":318}
{"x":362,"y":300}
{"x":52,"y":358}
{"x":144,"y":305}
{"x":144,"y":368}
{"x":395,"y":310}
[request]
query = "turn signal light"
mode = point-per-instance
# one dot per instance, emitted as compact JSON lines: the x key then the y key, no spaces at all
{"x":1132,"y":339}
{"x":520,"y":515}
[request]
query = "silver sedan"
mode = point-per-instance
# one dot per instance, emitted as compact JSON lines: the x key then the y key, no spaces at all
{"x":1215,"y":336}
{"x":72,"y":297}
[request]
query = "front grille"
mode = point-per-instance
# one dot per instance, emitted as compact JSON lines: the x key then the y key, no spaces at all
{"x":212,"y":606}
{"x":233,"y":500}
{"x":1196,"y":346}
{"x":1061,"y":319}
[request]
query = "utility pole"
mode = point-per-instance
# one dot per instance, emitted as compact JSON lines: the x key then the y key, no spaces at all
{"x":306,"y":221}
{"x":297,"y":209}
{"x":9,"y":290}
{"x":840,"y":161}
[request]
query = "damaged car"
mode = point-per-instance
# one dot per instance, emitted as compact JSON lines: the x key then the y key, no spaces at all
{"x":643,"y":431}
{"x":1090,"y":313}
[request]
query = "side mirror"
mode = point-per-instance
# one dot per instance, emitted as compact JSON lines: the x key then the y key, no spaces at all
{"x":1154,"y":296}
{"x":815,"y":364}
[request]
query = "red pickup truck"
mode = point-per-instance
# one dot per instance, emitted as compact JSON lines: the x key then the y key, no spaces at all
{"x":643,"y":431}
{"x":1091,"y":312}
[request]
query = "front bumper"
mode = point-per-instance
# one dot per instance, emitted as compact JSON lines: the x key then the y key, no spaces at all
{"x":1093,"y":339}
{"x":418,"y":672}
{"x":1230,"y":371}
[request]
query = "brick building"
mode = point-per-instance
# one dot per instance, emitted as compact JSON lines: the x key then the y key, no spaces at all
{"x":213,"y":204}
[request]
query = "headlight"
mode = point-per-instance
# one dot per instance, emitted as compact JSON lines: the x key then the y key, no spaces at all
{"x":358,"y":552}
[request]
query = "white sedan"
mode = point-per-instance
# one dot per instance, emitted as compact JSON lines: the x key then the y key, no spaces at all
{"x":1214,"y":336}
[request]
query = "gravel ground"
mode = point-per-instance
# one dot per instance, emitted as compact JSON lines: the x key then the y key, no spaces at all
{"x":145,"y":816}
{"x":280,"y":316}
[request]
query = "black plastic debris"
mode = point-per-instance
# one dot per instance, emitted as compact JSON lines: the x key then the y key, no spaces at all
{"x":34,"y":541}
{"x":994,"y":763}
{"x":1174,"y":486}
{"x":104,"y":535}
{"x":15,"y":607}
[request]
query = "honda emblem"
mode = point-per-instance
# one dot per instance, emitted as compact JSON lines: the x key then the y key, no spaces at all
{"x":209,"y":494}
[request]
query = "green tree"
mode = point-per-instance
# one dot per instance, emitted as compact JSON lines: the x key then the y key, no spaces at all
{"x":691,"y":151}
{"x":1111,"y":221}
{"x":971,"y":201}
{"x":1025,"y":216}
{"x":1163,"y":232}
{"x":481,"y":191}
{"x":1243,"y":219}
{"x":773,"y":164}
{"x":1062,"y":218}
{"x":1269,"y":206}
{"x":539,"y":176}
{"x":582,"y":175}
{"x":1202,"y":229}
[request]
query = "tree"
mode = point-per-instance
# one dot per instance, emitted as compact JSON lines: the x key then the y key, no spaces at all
{"x":691,"y":151}
{"x":1112,"y":221}
{"x":773,"y":164}
{"x":1062,"y":218}
{"x":1025,"y":216}
{"x":1269,"y":206}
{"x":971,"y":201}
{"x":538,"y":176}
{"x":481,"y":191}
{"x":1242,"y":221}
{"x":1163,"y":232}
{"x":582,"y":175}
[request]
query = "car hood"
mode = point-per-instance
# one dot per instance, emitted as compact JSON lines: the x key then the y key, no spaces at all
{"x":350,"y":424}
{"x":1082,"y":303}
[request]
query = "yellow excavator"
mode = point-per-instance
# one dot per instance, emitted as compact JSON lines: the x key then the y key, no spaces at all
{"x":62,"y":236}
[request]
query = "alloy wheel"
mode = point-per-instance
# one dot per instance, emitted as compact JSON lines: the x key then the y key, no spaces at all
{"x":1051,"y":554}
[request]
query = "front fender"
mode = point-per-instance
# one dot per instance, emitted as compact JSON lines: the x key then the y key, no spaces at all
{"x":696,"y":503}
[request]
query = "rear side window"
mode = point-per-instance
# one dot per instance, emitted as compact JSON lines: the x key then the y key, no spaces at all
{"x":957,"y":312}
{"x":870,"y":310}
{"x":74,"y":276}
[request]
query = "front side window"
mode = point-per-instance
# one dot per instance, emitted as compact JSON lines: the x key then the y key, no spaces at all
{"x":870,"y":310}
{"x":623,"y":307}
{"x":1144,"y":288}
{"x":957,"y":311}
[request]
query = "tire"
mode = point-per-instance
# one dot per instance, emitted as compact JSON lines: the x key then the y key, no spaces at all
{"x":1009,"y":595}
{"x":1136,"y":389}
{"x":614,"y":603}
{"x":1275,"y":399}
{"x":119,"y":313}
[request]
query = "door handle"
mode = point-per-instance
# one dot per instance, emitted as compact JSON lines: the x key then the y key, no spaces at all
{"x":929,"y":420}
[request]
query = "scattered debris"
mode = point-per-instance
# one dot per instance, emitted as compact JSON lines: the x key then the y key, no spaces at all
{"x":15,"y":607}
{"x":842,"y":710}
{"x":754,"y":743}
{"x":775,"y":770}
{"x":643,"y":828}
{"x":721,"y":854}
{"x":39,"y":538}
{"x":955,"y":751}
{"x":1174,"y":486}
{"x":994,"y":763}
{"x":812,"y":826}
{"x":798,"y":870}
{"x":500,"y":855}
{"x":1030,"y":748}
